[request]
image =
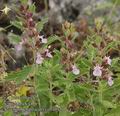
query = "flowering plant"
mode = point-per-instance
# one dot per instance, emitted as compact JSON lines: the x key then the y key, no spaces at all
{"x":65,"y":81}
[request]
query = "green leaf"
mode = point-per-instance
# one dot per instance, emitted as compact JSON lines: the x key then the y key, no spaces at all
{"x":108,"y":104}
{"x":64,"y":112}
{"x":115,"y":62}
{"x":91,"y":52}
{"x":52,"y":114}
{"x":32,"y":8}
{"x":83,"y":112}
{"x":14,"y":39}
{"x":59,"y":99}
{"x":84,"y":63}
{"x":32,"y":114}
{"x":41,"y":24}
{"x":84,"y":66}
{"x":17,"y":24}
{"x":111,"y":45}
{"x":52,"y":39}
{"x":1,"y":103}
{"x":19,"y":76}
{"x":116,"y":1}
{"x":114,"y":112}
{"x":24,"y":1}
{"x":98,"y":40}
{"x":8,"y":113}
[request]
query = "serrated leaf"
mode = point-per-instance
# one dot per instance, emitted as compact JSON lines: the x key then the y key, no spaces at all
{"x":32,"y":8}
{"x":84,"y":63}
{"x":52,"y":39}
{"x":98,"y":40}
{"x":111,"y":45}
{"x":114,"y":112}
{"x":91,"y":52}
{"x":19,"y":76}
{"x":8,"y":113}
{"x":24,"y":1}
{"x":13,"y":38}
{"x":115,"y":62}
{"x":59,"y":99}
{"x":17,"y":24}
{"x":1,"y":103}
{"x":41,"y":24}
{"x":108,"y":104}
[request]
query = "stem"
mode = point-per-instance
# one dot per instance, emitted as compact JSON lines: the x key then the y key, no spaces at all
{"x":100,"y":96}
{"x":80,"y":54}
{"x":112,"y":10}
{"x":8,"y":26}
{"x":35,"y":67}
{"x":46,"y":5}
{"x":50,"y":82}
{"x":91,"y":100}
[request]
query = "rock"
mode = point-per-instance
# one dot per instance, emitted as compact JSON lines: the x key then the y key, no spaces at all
{"x":73,"y":10}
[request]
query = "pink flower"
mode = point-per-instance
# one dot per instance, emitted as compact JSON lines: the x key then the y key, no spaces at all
{"x":110,"y":81}
{"x":48,"y":54}
{"x":39,"y":59}
{"x":19,"y":50}
{"x":108,"y":60}
{"x":97,"y":71}
{"x":19,"y":47}
{"x":75,"y":70}
{"x":43,"y":40}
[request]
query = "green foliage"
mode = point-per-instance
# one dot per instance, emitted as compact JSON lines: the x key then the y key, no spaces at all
{"x":52,"y":39}
{"x":1,"y":103}
{"x":114,"y":112}
{"x":19,"y":76}
{"x":40,"y":24}
{"x":13,"y":38}
{"x":8,"y":113}
{"x":32,"y":8}
{"x":17,"y":24}
{"x":54,"y":81}
{"x":24,"y":1}
{"x":116,"y":1}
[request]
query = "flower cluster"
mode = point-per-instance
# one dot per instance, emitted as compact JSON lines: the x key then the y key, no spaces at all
{"x":103,"y":72}
{"x":40,"y":58}
{"x":97,"y":71}
{"x":75,"y":70}
{"x":32,"y":32}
